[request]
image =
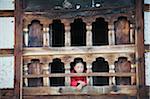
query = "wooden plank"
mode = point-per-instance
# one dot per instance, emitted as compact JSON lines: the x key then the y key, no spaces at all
{"x":6,"y":51}
{"x":80,"y":74}
{"x":88,"y":90}
{"x":80,"y":50}
{"x":119,"y":96}
{"x":18,"y":49}
{"x":6,"y":13}
{"x":139,"y":41}
{"x":6,"y":92}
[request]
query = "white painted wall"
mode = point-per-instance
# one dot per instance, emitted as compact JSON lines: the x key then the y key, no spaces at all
{"x":7,"y":32}
{"x":6,"y":4}
{"x":147,"y":27}
{"x":147,"y":41}
{"x":7,"y":72}
{"x":147,"y":1}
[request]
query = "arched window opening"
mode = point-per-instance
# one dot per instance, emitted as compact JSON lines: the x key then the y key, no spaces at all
{"x":57,"y":67}
{"x":58,"y":36}
{"x":100,"y":32}
{"x":77,"y":60}
{"x":35,"y":68}
{"x":35,"y":34}
{"x":100,"y":65}
{"x":122,"y":31}
{"x":78,"y":33}
{"x":123,"y":65}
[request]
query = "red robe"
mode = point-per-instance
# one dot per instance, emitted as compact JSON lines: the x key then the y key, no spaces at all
{"x":74,"y":80}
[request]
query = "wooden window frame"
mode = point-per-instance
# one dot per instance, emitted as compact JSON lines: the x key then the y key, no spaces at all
{"x":19,"y":54}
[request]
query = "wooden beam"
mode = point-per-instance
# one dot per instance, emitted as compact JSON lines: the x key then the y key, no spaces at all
{"x":87,"y":90}
{"x":140,"y":72}
{"x":105,"y":74}
{"x":6,"y":92}
{"x":6,"y":51}
{"x":80,"y":50}
{"x":108,"y":96}
{"x":6,"y":13}
{"x":18,"y":49}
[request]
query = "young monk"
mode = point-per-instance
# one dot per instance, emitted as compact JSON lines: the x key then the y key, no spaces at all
{"x":78,"y":81}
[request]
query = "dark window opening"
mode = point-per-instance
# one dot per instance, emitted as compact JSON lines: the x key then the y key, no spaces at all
{"x":78,"y":33}
{"x":35,"y":34}
{"x":35,"y":68}
{"x":35,"y":82}
{"x":122,"y":31}
{"x":100,"y":32}
{"x":123,"y":65}
{"x":100,"y":65}
{"x":57,"y":67}
{"x":57,"y":33}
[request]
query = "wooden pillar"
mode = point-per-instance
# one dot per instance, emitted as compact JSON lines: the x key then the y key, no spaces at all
{"x":111,"y":34}
{"x":25,"y":69}
{"x":18,"y":49}
{"x":89,"y":70}
{"x":26,"y":36}
{"x":67,"y":35}
{"x":89,"y":34}
{"x":131,"y":33}
{"x":46,"y":36}
{"x":140,"y":72}
{"x":67,"y":70}
{"x":112,"y":79}
{"x":50,"y":35}
{"x":45,"y":72}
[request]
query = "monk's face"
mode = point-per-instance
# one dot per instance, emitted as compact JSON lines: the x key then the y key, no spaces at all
{"x":79,"y":68}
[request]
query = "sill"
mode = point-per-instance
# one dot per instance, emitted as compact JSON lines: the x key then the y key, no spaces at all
{"x":130,"y":48}
{"x":88,"y":90}
{"x":102,"y":74}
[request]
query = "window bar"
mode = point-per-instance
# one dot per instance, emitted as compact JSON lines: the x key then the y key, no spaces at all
{"x":133,"y":70}
{"x":131,"y":33}
{"x":112,"y":79}
{"x":26,"y":36}
{"x":25,"y":67}
{"x":67,"y":35}
{"x":67,"y":70}
{"x":50,"y":35}
{"x":89,"y":70}
{"x":46,"y":72}
{"x":46,"y":37}
{"x":89,"y":34}
{"x":111,"y":34}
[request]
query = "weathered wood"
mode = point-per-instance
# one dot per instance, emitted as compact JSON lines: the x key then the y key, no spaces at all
{"x":140,"y":45}
{"x":6,"y":13}
{"x":119,"y":96}
{"x":61,"y":14}
{"x":6,"y":92}
{"x":88,"y":90}
{"x":88,"y":53}
{"x":80,"y":50}
{"x":104,"y":74}
{"x":122,"y":31}
{"x":18,"y":50}
{"x":6,"y":51}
